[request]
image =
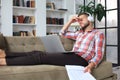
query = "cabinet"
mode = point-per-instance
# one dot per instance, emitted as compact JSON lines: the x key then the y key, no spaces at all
{"x":57,"y":14}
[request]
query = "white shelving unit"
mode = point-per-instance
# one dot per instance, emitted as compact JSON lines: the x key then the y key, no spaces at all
{"x":24,"y":11}
{"x":24,"y":8}
{"x":8,"y":10}
{"x":54,"y":27}
{"x":57,"y":11}
{"x":40,"y":12}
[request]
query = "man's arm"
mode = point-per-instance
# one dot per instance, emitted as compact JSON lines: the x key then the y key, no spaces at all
{"x":67,"y":25}
{"x":99,"y":52}
{"x":99,"y":48}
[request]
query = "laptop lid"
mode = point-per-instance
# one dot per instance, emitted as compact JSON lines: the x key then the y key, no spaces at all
{"x":52,"y":43}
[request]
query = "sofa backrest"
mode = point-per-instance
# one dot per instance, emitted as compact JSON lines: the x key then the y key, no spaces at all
{"x":25,"y":44}
{"x":67,"y":43}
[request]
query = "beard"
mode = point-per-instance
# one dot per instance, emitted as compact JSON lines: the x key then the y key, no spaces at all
{"x":85,"y":26}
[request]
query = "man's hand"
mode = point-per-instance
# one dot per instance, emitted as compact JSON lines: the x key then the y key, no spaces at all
{"x":74,"y":19}
{"x":89,"y":68}
{"x":67,"y":25}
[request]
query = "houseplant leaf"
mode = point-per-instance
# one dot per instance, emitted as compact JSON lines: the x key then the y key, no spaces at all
{"x":97,"y":11}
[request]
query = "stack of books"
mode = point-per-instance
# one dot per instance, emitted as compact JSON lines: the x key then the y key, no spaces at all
{"x":23,"y":19}
{"x":24,"y":3}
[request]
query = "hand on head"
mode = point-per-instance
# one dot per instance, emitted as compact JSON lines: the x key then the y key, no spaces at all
{"x":74,"y":19}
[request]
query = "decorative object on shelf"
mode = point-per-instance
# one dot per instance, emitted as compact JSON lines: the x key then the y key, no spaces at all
{"x":50,"y":5}
{"x":34,"y":32}
{"x":98,"y":10}
{"x":63,"y":9}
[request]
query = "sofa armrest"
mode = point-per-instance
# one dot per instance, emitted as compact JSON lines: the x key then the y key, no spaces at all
{"x":103,"y":70}
{"x":67,"y":43}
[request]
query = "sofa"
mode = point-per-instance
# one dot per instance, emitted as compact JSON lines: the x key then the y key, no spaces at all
{"x":43,"y":72}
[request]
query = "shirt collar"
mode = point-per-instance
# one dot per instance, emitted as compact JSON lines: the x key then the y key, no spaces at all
{"x":88,"y":30}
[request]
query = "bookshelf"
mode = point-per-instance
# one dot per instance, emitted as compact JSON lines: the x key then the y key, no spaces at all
{"x":57,"y":13}
{"x":60,"y":10}
{"x":23,"y":16}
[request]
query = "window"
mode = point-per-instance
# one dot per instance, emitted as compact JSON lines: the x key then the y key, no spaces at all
{"x":109,"y":26}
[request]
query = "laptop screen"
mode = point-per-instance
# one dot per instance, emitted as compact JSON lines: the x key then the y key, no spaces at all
{"x":52,"y":43}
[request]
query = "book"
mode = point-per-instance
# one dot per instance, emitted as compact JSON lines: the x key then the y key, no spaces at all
{"x":32,"y":3}
{"x":17,"y":3}
{"x":14,"y":19}
{"x":22,"y":4}
{"x":77,"y":73}
{"x":32,"y":19}
{"x":26,"y":19}
{"x":20,"y":18}
{"x":49,"y":20}
{"x":14,"y":2}
{"x":16,"y":33}
{"x":28,"y":3}
{"x":61,"y":21}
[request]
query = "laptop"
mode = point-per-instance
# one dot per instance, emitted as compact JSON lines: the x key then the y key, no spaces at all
{"x":53,"y":44}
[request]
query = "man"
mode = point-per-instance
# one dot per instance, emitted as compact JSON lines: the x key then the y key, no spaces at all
{"x":89,"y":41}
{"x":87,"y":51}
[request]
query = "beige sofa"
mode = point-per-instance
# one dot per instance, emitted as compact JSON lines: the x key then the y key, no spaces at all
{"x":43,"y":72}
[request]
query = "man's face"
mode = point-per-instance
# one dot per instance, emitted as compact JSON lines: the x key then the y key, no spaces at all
{"x":83,"y":21}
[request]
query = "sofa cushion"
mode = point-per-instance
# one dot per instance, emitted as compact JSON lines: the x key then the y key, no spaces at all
{"x":24,"y":44}
{"x":3,"y":44}
{"x":37,"y":72}
{"x":51,"y":72}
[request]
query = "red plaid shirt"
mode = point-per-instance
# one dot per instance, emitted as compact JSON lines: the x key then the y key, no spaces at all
{"x":89,"y":45}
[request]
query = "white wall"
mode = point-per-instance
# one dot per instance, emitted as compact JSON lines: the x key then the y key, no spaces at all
{"x":6,"y":17}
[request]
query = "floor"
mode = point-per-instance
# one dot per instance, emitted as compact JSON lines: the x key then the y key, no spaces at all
{"x":117,"y":71}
